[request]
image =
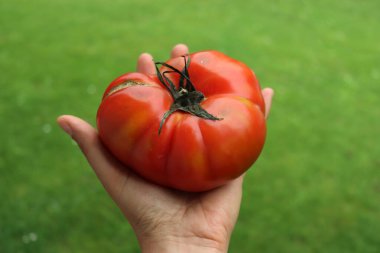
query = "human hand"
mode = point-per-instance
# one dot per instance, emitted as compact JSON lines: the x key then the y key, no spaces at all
{"x":164,"y":220}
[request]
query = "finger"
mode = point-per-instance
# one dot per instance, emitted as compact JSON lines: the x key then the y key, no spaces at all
{"x":107,"y":168}
{"x":268,"y":95}
{"x":145,"y":64}
{"x":179,"y":50}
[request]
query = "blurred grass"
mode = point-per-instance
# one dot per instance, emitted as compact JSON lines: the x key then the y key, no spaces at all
{"x":316,"y":186}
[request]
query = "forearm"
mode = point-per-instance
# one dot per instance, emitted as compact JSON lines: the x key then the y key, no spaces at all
{"x":182,"y":245}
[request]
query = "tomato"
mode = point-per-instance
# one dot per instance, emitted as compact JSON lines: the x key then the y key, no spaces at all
{"x":194,"y":126}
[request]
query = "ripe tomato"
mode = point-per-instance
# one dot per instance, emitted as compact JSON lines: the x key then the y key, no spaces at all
{"x":196,"y":125}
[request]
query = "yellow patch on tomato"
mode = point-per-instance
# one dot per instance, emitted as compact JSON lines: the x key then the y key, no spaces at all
{"x":245,"y":101}
{"x":132,"y":129}
{"x":198,"y":163}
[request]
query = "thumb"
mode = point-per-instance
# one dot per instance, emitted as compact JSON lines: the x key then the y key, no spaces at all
{"x":82,"y":133}
{"x":110,"y":172}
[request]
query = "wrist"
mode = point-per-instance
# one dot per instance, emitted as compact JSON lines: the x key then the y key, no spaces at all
{"x":169,"y":244}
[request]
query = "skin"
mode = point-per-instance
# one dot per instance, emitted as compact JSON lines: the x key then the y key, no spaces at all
{"x":164,"y":220}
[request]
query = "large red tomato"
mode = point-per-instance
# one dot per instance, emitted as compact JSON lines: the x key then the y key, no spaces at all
{"x":196,"y":125}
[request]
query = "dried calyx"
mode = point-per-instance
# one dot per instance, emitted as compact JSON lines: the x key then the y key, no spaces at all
{"x":186,"y":97}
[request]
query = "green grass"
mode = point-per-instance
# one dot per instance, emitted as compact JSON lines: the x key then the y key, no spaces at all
{"x":316,"y":186}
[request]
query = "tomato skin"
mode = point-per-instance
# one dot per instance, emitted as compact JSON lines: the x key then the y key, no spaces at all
{"x":191,"y":153}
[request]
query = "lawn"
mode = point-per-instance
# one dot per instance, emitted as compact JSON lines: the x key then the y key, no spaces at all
{"x":316,"y":187}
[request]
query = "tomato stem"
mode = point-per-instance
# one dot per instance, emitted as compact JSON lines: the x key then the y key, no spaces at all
{"x":186,"y":97}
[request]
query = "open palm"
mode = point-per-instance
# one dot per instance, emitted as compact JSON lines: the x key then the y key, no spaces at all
{"x":162,"y":217}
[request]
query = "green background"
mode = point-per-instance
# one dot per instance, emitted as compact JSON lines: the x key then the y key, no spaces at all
{"x":316,"y":186}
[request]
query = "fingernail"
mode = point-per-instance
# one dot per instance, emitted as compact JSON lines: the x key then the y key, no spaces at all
{"x":66,"y":127}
